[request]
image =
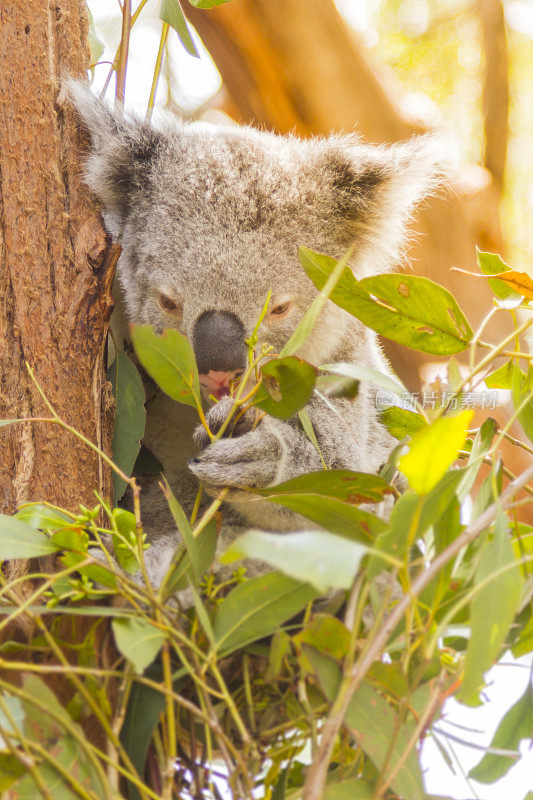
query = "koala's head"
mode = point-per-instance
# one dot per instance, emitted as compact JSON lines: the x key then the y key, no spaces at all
{"x":210,"y":219}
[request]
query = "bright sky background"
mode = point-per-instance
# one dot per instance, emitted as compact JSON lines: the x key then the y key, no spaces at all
{"x":197,"y":80}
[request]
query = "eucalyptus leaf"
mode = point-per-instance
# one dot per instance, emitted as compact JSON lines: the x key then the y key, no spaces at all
{"x":433,"y":449}
{"x":360,"y":372}
{"x":350,"y":486}
{"x":287,"y":386}
{"x":334,"y":515}
{"x":492,"y":264}
{"x":516,"y":725}
{"x":130,"y":417}
{"x":145,"y":706}
{"x":138,"y":640}
{"x":256,"y":608}
{"x":493,"y":607}
{"x":170,"y":11}
{"x":324,"y":560}
{"x":20,"y":540}
{"x":169,"y":360}
{"x":375,"y":725}
{"x":413,"y":311}
{"x":400,"y":422}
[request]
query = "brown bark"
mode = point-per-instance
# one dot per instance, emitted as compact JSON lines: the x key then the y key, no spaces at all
{"x":55,"y":266}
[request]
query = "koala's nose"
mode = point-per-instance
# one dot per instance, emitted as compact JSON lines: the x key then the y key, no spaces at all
{"x":218,"y":342}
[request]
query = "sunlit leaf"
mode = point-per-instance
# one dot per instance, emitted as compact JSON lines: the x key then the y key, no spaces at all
{"x":523,"y":399}
{"x":433,"y":449}
{"x":257,"y":607}
{"x":207,"y":3}
{"x":502,"y":378}
{"x":130,"y":417}
{"x":169,"y":360}
{"x":401,"y":422}
{"x":170,"y":12}
{"x":96,"y":46}
{"x":43,"y":517}
{"x":492,"y":264}
{"x":408,"y":309}
{"x":493,"y":607}
{"x":322,"y":559}
{"x":287,"y":386}
{"x":351,"y":789}
{"x":138,"y":640}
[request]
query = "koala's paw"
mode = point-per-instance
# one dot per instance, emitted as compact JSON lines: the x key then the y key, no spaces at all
{"x":250,"y":459}
{"x":215,"y":418}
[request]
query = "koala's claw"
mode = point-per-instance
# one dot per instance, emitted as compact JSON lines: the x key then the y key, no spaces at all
{"x":250,"y":460}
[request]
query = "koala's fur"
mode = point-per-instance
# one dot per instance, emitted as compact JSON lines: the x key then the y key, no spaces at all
{"x":214,"y":216}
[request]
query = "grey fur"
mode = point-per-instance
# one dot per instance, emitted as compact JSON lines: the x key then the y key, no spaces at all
{"x":213,"y":217}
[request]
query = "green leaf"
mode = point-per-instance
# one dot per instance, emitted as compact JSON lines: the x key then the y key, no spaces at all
{"x":351,"y":789}
{"x":401,"y":533}
{"x":43,"y":517}
{"x":185,"y":531}
{"x":524,"y":643}
{"x":145,"y":706}
{"x":360,"y":372}
{"x":492,"y":264}
{"x":169,"y":360}
{"x":11,"y":770}
{"x":19,"y":540}
{"x":42,"y":728}
{"x":334,"y":515}
{"x":307,"y":323}
{"x":324,"y":560}
{"x":327,"y":634}
{"x":352,"y":487}
{"x":206,"y":545}
{"x":493,"y":607}
{"x":400,"y":422}
{"x":130,"y":417}
{"x":375,"y":726}
{"x":433,"y":449}
{"x":502,"y":378}
{"x":95,"y":572}
{"x":138,"y":640}
{"x":171,"y":13}
{"x":256,"y":608}
{"x":408,"y":309}
{"x":96,"y":46}
{"x":523,"y":396}
{"x":517,"y":724}
{"x":124,"y":539}
{"x":287,"y":386}
{"x":207,"y":3}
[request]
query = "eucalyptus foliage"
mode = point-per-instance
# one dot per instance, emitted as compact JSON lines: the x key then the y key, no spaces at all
{"x":322,"y":677}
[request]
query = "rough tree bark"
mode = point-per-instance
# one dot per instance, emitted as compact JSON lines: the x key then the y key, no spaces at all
{"x":56,"y":265}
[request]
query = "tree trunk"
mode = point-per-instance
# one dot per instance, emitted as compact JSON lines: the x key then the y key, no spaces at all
{"x":56,"y":266}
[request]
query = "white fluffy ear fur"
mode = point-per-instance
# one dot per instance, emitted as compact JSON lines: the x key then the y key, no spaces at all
{"x":412,"y":170}
{"x":121,"y":150}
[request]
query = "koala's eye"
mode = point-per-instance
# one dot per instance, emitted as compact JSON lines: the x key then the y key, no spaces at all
{"x":281,"y":309}
{"x":169,"y":305}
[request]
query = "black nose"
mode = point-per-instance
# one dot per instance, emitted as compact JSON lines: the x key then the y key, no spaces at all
{"x":218,"y":342}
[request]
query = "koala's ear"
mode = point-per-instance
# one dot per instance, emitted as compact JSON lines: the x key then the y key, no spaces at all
{"x":121,"y":153}
{"x":376,"y":188}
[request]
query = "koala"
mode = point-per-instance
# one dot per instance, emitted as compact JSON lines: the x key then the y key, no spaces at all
{"x":209,"y":219}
